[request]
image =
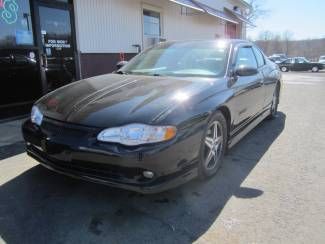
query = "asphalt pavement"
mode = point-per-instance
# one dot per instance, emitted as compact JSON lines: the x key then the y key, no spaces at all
{"x":270,"y":189}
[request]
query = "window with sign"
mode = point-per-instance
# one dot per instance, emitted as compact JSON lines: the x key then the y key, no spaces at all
{"x":151,"y":23}
{"x":56,"y":32}
{"x":15,"y":23}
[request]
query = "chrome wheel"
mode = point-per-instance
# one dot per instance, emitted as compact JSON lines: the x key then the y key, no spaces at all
{"x":314,"y":69}
{"x":284,"y":69}
{"x":213,"y":146}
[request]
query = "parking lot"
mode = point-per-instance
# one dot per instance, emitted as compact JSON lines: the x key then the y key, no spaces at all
{"x":271,"y":189}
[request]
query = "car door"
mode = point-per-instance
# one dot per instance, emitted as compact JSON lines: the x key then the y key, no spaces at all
{"x":248,"y":90}
{"x":301,"y":64}
{"x":269,"y":80}
{"x":26,"y":77}
{"x":287,"y":63}
{"x":20,"y":75}
{"x":295,"y":65}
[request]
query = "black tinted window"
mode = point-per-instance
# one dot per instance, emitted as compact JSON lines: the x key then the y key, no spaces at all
{"x":246,"y":57}
{"x":288,"y":61}
{"x":15,"y":23}
{"x":259,"y":57}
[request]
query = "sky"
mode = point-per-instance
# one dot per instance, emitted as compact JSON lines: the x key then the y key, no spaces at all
{"x":304,"y":18}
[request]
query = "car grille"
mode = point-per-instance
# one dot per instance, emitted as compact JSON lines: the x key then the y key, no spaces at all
{"x":55,"y":128}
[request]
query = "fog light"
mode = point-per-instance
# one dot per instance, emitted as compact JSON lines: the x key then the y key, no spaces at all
{"x":148,"y":174}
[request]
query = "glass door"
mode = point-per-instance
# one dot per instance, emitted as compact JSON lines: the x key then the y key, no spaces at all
{"x":57,"y":45}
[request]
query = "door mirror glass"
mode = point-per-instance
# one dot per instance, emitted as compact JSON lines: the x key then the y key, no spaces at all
{"x":120,"y":64}
{"x":246,"y":70}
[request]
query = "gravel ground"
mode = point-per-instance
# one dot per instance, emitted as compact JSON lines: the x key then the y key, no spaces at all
{"x":271,"y":189}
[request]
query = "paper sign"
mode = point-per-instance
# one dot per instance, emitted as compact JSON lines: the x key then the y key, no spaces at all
{"x":24,"y":37}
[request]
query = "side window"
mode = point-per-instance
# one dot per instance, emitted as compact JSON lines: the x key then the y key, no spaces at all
{"x":301,"y":61}
{"x":246,"y":57}
{"x":259,"y":57}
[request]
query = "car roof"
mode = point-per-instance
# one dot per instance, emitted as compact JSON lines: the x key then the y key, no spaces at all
{"x":229,"y":41}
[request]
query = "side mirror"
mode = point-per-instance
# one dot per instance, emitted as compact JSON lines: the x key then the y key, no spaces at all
{"x":246,"y":71}
{"x":120,"y":64}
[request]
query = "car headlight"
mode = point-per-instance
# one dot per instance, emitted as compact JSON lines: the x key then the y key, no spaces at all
{"x":36,"y":116}
{"x":137,"y":134}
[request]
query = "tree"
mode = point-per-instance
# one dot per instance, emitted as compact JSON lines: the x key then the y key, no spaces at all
{"x":257,"y":10}
{"x":265,"y":36}
{"x":287,"y":37}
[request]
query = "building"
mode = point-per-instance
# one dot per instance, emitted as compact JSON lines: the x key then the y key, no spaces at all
{"x":45,"y":44}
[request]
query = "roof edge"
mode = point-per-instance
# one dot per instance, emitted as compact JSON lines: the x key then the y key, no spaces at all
{"x":245,"y":3}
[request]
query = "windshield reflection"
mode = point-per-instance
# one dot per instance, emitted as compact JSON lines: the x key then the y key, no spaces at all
{"x":181,"y":59}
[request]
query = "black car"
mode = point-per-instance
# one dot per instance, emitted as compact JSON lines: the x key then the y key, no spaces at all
{"x":300,"y":64}
{"x":166,"y":117}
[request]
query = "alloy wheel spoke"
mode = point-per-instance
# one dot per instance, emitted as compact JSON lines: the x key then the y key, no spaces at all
{"x":209,"y":142}
{"x":215,"y":132}
{"x":218,"y":140}
{"x":209,"y":157}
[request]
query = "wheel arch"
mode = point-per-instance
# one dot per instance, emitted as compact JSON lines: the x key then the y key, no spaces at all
{"x":226,"y":113}
{"x":279,"y":85}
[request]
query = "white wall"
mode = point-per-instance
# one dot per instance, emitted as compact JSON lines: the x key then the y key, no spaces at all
{"x":107,"y":26}
{"x":113,"y":26}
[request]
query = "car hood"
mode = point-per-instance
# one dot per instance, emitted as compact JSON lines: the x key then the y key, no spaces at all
{"x":115,"y":100}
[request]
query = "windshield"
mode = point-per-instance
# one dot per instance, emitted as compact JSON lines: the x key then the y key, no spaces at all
{"x":202,"y":59}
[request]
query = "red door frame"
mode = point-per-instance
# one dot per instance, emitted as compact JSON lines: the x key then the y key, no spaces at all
{"x":231,"y":30}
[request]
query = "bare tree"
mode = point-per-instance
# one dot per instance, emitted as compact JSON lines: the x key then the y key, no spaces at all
{"x":287,"y":37}
{"x":257,"y":11}
{"x":265,"y":36}
{"x":275,"y":43}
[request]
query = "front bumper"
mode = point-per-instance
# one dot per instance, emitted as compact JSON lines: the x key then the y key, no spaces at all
{"x":74,"y":151}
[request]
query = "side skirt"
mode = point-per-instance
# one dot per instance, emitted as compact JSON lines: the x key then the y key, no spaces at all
{"x":233,"y":141}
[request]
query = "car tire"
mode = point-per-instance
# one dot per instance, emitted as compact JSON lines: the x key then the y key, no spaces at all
{"x":275,"y":103}
{"x":213,"y":146}
{"x":284,"y":69}
{"x":315,"y":69}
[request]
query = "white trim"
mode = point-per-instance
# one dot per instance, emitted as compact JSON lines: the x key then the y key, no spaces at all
{"x":77,"y":37}
{"x":187,"y":6}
